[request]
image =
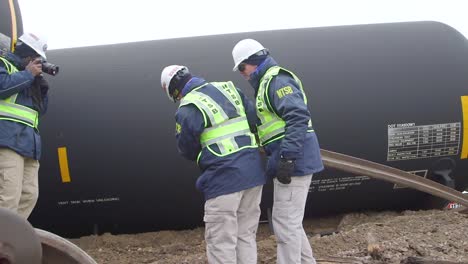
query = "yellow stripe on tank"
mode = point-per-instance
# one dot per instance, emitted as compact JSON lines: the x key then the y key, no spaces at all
{"x":14,"y":32}
{"x":63,"y":163}
{"x":464,"y":152}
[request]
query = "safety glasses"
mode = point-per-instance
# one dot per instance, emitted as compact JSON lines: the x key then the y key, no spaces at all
{"x":241,"y":67}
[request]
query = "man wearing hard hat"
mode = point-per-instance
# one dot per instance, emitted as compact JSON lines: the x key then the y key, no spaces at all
{"x":23,"y":99}
{"x":212,"y":129}
{"x":285,"y":131}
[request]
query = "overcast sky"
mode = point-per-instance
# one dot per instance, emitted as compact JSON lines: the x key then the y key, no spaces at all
{"x":74,"y":23}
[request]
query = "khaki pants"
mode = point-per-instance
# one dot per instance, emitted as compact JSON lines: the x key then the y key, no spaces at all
{"x":288,"y":212}
{"x":231,"y":223}
{"x":19,"y":188}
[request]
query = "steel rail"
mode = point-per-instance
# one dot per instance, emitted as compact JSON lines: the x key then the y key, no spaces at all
{"x":378,"y":171}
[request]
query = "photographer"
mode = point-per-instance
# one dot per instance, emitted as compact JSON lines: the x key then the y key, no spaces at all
{"x":23,"y":99}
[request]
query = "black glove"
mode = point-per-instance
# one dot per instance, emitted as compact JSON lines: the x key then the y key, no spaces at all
{"x":284,"y":170}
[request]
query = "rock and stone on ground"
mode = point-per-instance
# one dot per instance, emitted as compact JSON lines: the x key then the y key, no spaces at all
{"x":384,"y":237}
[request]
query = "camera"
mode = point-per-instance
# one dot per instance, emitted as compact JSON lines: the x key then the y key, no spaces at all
{"x":50,"y":68}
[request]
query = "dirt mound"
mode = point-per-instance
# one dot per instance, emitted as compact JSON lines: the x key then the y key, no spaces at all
{"x":436,"y":235}
{"x":386,"y":237}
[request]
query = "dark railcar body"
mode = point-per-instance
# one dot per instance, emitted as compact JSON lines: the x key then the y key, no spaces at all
{"x":11,"y":24}
{"x":395,"y":94}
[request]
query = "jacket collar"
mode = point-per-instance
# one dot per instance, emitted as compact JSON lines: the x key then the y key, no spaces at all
{"x":257,"y":75}
{"x":191,"y":84}
{"x":13,"y":58}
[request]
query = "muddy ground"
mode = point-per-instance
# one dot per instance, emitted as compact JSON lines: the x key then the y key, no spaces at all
{"x":385,"y":237}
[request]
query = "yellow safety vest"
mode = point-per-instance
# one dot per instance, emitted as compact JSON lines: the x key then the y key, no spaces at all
{"x":9,"y":110}
{"x":222,"y":130}
{"x":271,"y":126}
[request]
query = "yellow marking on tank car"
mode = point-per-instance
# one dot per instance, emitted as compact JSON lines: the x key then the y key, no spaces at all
{"x":63,"y":163}
{"x":464,"y":102}
{"x":13,"y":25}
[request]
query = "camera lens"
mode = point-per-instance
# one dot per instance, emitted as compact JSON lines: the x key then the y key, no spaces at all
{"x":50,"y":68}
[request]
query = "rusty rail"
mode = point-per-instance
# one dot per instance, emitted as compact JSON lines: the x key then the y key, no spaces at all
{"x":378,"y":171}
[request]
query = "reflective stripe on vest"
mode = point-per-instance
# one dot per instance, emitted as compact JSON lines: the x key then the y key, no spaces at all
{"x":9,"y":110}
{"x":222,"y":130}
{"x":271,"y":125}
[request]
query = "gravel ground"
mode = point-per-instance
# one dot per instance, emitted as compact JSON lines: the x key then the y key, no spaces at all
{"x":384,"y":237}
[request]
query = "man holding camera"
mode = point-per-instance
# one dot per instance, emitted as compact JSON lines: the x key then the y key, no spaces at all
{"x":23,"y":99}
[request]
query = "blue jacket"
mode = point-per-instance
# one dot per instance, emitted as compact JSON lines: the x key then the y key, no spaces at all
{"x":21,"y":138}
{"x":219,"y":175}
{"x":297,"y":144}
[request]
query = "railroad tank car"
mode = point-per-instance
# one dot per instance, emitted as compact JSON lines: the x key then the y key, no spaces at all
{"x":395,"y":94}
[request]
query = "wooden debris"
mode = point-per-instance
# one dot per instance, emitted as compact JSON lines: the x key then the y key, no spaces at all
{"x":337,"y":260}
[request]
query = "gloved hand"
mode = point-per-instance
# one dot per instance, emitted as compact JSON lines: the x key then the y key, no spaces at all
{"x":284,"y":170}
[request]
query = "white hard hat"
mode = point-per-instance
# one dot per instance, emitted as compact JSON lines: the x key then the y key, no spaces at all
{"x":37,"y":44}
{"x":166,"y":77}
{"x":244,"y":49}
